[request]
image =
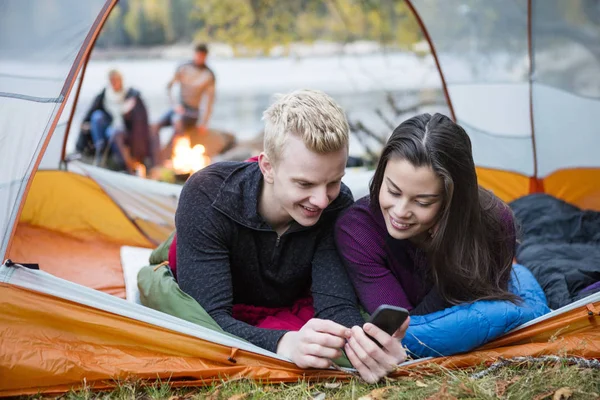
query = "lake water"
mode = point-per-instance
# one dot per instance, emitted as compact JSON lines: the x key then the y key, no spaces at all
{"x":245,"y":87}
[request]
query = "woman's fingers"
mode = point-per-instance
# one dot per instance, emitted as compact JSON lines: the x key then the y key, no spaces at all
{"x":364,"y":371}
{"x":374,"y":362}
{"x":391,"y":345}
{"x":401,"y":332}
{"x":380,"y":355}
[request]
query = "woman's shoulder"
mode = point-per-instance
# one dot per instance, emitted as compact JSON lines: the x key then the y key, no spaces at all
{"x":359,"y":212}
{"x":498,"y":211}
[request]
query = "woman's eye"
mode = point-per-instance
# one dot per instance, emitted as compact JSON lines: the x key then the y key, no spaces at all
{"x":395,"y":194}
{"x":423,"y":204}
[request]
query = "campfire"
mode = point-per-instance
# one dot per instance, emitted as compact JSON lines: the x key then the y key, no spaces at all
{"x":184,"y":161}
{"x":187,"y":159}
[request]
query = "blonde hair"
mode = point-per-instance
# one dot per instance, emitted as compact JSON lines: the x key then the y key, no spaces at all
{"x":114,"y":72}
{"x":311,"y":115}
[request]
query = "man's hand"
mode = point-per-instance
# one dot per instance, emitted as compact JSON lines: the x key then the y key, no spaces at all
{"x":371,"y":361}
{"x":201,"y":129}
{"x":179,"y":109}
{"x":315,"y":345}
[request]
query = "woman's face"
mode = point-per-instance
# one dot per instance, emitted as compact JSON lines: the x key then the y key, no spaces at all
{"x":410,"y":199}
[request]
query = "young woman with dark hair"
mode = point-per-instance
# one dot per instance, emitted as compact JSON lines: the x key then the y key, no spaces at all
{"x":428,"y":237}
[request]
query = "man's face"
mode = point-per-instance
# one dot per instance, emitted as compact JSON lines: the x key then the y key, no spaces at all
{"x":116,"y":82}
{"x":305,"y":182}
{"x":199,"y":58}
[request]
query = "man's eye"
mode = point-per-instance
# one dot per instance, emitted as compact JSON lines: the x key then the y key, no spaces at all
{"x":304,"y":184}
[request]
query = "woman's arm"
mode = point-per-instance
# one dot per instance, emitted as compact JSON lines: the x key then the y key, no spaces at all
{"x":362,"y":249}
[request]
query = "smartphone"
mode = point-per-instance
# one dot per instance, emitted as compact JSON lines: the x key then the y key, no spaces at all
{"x":389,"y":318}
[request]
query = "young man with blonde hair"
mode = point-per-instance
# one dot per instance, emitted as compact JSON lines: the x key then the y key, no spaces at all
{"x":255,"y":244}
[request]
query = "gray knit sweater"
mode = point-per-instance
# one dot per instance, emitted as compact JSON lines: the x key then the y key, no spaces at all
{"x":227,"y":254}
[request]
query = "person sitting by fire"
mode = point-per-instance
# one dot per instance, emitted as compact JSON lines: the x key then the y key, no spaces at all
{"x":116,"y":127}
{"x":196,"y":84}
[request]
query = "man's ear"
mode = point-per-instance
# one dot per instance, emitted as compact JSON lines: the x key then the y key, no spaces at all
{"x":266,"y":167}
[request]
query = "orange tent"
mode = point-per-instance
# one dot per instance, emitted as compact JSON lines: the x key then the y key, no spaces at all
{"x":70,"y":323}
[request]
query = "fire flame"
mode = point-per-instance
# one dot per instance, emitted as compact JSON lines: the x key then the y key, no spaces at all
{"x":188,"y":159}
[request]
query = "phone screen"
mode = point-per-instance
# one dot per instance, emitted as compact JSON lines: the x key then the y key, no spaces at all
{"x":389,"y":318}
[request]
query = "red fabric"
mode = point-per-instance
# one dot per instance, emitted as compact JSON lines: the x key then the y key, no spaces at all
{"x":287,"y":318}
{"x":173,"y":256}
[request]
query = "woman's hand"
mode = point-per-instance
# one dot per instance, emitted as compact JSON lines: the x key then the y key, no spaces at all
{"x":371,"y":361}
{"x":315,"y":345}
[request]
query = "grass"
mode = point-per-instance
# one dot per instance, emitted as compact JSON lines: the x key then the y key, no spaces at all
{"x":525,"y":381}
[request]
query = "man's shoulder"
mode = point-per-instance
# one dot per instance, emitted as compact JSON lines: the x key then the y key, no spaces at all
{"x":213,"y":174}
{"x":341,"y":203}
{"x":203,"y":188}
{"x":345,"y":198}
{"x":211,"y":72}
{"x":186,"y":64}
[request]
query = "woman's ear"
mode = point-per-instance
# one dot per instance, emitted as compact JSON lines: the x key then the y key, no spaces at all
{"x":266,"y":167}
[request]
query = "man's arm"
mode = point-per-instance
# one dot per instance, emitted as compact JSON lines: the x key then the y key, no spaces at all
{"x":209,"y":95}
{"x":175,"y":79}
{"x":333,"y":294}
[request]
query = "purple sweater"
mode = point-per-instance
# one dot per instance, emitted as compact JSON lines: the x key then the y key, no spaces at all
{"x":385,"y":270}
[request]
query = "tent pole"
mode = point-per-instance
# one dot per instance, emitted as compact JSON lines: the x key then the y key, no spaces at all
{"x":435,"y":57}
{"x":535,"y":185}
{"x":63,"y":153}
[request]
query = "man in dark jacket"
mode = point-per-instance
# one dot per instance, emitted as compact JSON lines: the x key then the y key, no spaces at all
{"x":116,"y":122}
{"x":253,"y":237}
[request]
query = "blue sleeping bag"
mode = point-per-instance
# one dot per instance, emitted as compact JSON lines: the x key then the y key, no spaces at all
{"x":467,"y":326}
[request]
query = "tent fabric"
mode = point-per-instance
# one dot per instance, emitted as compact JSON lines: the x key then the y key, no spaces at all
{"x":74,"y":223}
{"x":526,"y":88}
{"x":78,"y":206}
{"x":39,"y":51}
{"x":109,"y":338}
{"x":92,"y":263}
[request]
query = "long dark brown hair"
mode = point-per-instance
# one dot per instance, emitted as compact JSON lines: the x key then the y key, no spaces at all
{"x":471,"y":252}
